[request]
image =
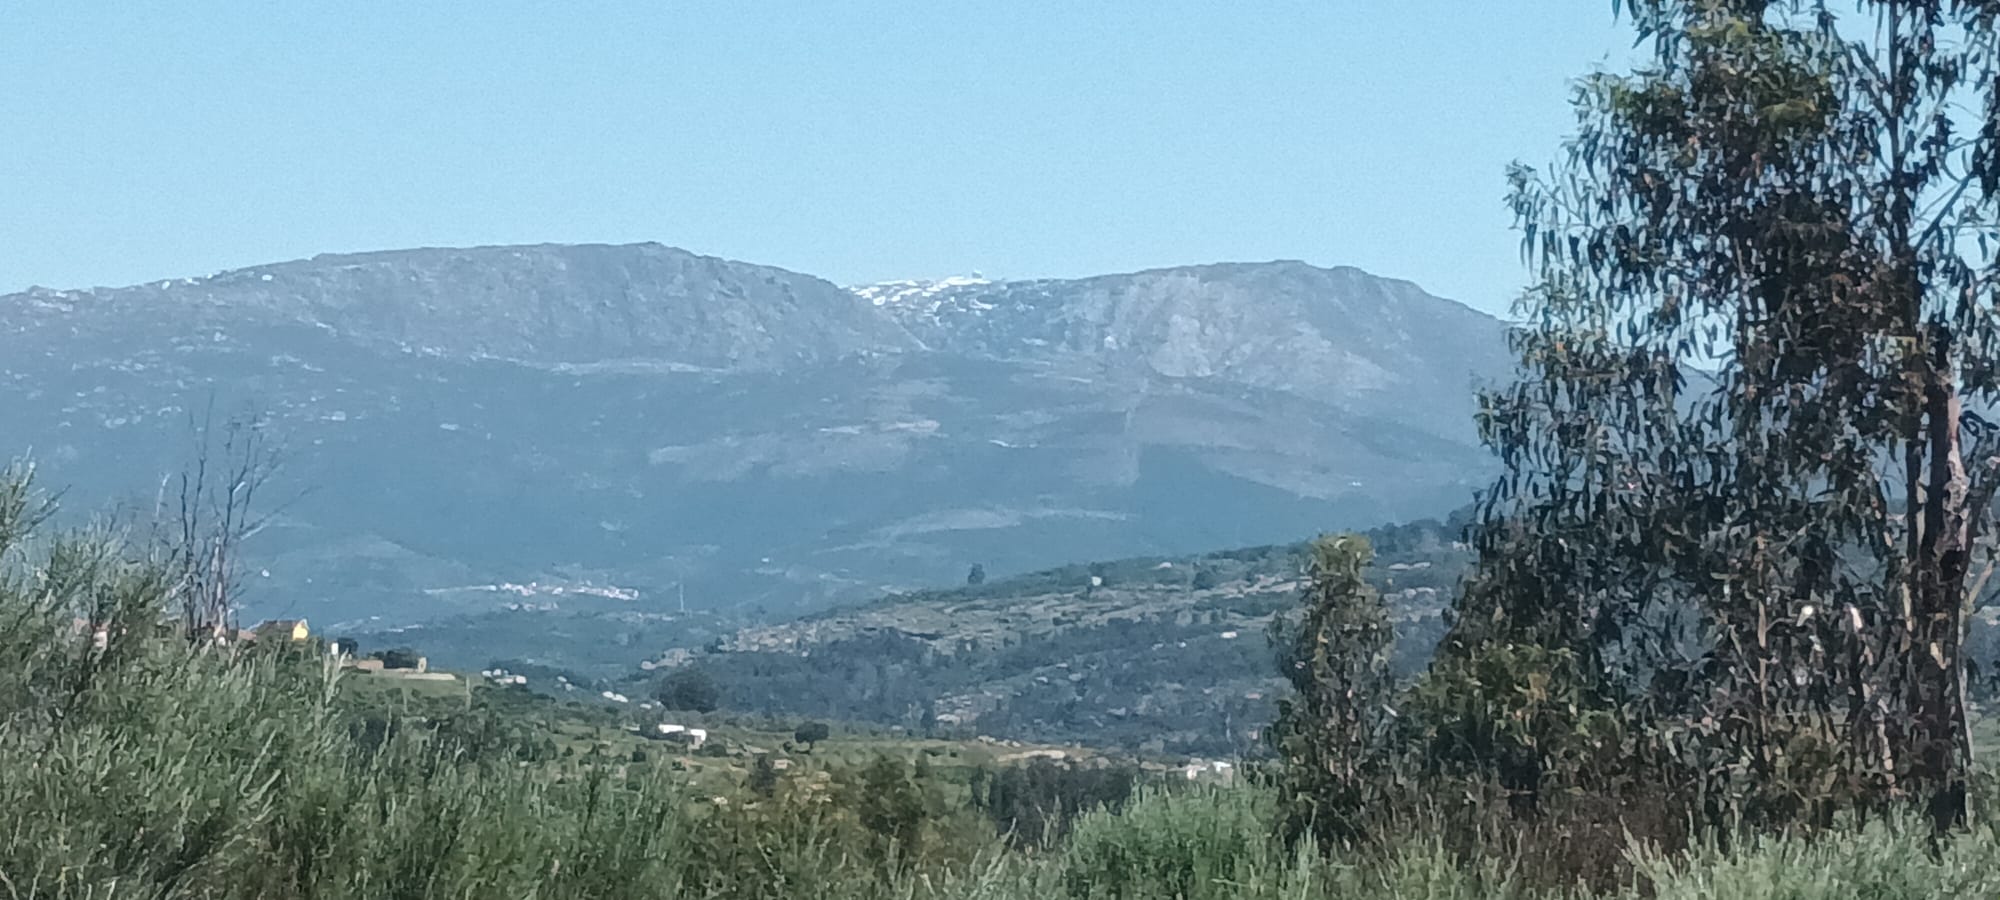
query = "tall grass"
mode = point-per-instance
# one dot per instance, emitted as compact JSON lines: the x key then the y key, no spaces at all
{"x":152,"y":768}
{"x":1880,"y":862}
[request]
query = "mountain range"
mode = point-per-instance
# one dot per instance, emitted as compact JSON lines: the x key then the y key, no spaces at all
{"x":637,"y":429}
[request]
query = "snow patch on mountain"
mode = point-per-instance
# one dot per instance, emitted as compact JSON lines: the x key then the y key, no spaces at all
{"x":914,"y":290}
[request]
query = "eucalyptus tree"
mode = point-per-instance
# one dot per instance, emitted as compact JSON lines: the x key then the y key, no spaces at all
{"x":1741,"y":484}
{"x":1331,"y":731}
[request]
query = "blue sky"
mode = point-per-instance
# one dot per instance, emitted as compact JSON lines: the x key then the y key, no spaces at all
{"x":858,"y":141}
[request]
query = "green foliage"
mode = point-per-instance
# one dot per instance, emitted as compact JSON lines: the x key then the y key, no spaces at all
{"x":1034,"y":805}
{"x":690,"y":689}
{"x":1519,"y":712}
{"x":1889,"y":862}
{"x":398,"y":657}
{"x":1332,"y":732}
{"x":811,"y":733}
{"x":898,"y":804}
{"x":1162,"y":847}
{"x":1738,"y":512}
{"x":154,"y":767}
{"x":763,"y":780}
{"x":1115,"y":666}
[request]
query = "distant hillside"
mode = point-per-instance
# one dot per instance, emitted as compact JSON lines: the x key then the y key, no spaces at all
{"x":606,"y":429}
{"x":1150,"y":654}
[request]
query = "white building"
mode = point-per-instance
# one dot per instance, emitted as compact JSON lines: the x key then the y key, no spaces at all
{"x":693,"y":737}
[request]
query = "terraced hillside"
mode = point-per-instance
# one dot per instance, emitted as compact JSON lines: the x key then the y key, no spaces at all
{"x":1149,"y":654}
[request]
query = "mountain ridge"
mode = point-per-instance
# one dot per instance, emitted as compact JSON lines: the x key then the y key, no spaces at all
{"x":643,"y":417}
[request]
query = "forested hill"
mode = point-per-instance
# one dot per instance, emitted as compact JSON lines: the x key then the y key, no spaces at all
{"x":1149,"y":653}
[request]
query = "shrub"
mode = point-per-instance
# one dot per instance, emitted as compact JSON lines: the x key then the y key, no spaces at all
{"x":1332,"y":733}
{"x":763,"y":780}
{"x":688,"y":689}
{"x":1035,"y":804}
{"x":811,"y":733}
{"x":1188,"y":846}
{"x":398,"y":657}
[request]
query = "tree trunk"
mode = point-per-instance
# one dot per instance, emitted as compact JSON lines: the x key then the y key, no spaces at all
{"x":1937,"y":662}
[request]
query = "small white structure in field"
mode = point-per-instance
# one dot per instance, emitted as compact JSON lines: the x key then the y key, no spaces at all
{"x":693,"y":737}
{"x":1218,"y":768}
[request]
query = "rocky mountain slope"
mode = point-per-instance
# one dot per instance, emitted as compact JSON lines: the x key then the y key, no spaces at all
{"x":615,"y":427}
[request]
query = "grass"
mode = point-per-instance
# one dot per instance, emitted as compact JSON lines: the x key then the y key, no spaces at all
{"x":229,"y":780}
{"x":186,"y":775}
{"x":582,"y":732}
{"x":155,"y":768}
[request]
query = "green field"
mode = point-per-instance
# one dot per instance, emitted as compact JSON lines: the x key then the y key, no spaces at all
{"x":587,"y":733}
